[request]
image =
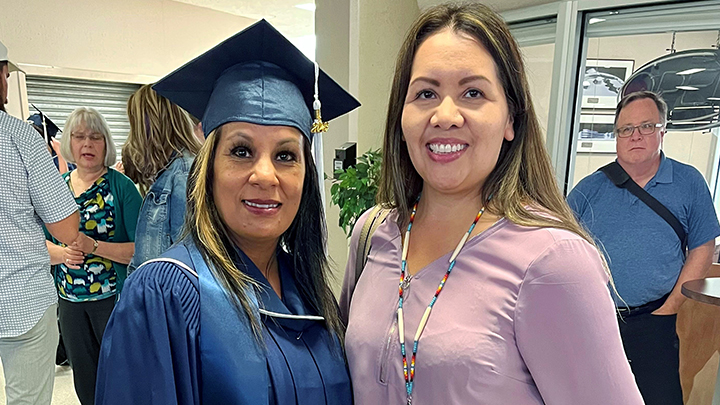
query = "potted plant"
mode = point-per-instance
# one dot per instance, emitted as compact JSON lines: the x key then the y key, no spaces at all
{"x":354,"y":189}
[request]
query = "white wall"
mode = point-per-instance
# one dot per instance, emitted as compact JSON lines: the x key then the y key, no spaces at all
{"x":539,"y":63}
{"x":358,"y":42}
{"x":127,"y":40}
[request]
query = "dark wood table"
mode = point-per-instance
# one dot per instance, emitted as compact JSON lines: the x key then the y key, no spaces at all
{"x":706,"y":291}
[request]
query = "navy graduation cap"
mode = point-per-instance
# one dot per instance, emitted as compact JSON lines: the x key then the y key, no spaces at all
{"x":43,"y":122}
{"x":260,"y":77}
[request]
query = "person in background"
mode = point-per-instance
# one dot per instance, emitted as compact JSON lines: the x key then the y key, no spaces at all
{"x":157,"y":156}
{"x":33,"y":195}
{"x":88,"y":282}
{"x":197,"y":129}
{"x":480,"y":286}
{"x":645,"y":254}
{"x":47,"y":128}
{"x":239,"y":311}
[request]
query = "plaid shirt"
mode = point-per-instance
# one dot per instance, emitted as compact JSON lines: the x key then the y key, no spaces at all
{"x":32,"y":193}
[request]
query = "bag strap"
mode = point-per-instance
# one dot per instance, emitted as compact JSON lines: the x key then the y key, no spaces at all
{"x":375,"y":218}
{"x":621,"y":179}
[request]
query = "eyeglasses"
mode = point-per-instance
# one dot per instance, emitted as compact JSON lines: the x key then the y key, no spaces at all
{"x":91,"y":137}
{"x":644,"y":129}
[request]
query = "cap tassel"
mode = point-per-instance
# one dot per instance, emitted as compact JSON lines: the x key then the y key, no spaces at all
{"x":318,"y":124}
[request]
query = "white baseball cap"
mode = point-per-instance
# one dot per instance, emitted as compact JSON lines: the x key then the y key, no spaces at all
{"x":4,"y":58}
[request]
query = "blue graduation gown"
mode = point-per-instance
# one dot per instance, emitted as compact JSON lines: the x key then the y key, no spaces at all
{"x":174,"y":337}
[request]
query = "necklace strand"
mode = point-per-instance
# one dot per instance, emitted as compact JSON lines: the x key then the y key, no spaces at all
{"x":410,"y":375}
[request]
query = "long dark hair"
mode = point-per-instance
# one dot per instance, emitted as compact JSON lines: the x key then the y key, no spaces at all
{"x":304,"y":240}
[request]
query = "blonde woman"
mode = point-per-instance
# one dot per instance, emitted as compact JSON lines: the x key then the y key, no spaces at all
{"x":480,"y":287}
{"x":157,"y":156}
{"x":89,"y":283}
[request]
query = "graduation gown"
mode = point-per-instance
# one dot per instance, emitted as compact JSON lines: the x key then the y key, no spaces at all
{"x":174,"y":337}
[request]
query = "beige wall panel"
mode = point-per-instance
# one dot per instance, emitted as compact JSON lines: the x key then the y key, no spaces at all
{"x":130,"y":37}
{"x":383,"y":25}
{"x":538,"y":62}
{"x":357,"y":43}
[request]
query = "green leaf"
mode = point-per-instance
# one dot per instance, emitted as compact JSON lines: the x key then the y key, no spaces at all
{"x":354,"y":189}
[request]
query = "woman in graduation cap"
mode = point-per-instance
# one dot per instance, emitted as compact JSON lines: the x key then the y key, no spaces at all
{"x":240,"y":311}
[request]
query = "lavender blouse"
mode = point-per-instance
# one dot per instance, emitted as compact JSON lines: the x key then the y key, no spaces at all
{"x":525,"y":318}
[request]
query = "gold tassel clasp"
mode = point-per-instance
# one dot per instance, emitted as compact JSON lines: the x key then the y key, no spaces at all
{"x":318,"y":125}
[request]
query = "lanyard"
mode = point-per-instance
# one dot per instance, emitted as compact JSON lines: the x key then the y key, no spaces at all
{"x":404,"y":281}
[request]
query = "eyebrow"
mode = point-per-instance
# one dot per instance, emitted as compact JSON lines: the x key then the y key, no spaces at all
{"x":249,"y":139}
{"x":473,"y":78}
{"x":426,"y":79}
{"x":291,"y":141}
{"x":463,"y":81}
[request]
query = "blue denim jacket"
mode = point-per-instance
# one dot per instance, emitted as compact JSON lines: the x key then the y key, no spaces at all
{"x":162,"y":213}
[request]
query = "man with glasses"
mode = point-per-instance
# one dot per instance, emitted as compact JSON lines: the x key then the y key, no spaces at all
{"x":33,"y":193}
{"x":647,"y":258}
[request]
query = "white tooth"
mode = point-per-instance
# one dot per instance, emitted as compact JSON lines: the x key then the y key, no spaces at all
{"x":446,"y":148}
{"x":454,"y":148}
{"x":264,"y":206}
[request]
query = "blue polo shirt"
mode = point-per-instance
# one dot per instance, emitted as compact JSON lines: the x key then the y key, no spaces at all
{"x":642,"y":250}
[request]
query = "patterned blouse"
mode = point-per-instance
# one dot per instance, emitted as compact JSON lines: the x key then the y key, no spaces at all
{"x":96,"y":278}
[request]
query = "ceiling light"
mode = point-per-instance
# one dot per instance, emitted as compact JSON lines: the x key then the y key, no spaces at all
{"x":689,"y":88}
{"x":306,"y":6}
{"x":691,"y":71}
{"x":714,"y":98}
{"x":595,"y":20}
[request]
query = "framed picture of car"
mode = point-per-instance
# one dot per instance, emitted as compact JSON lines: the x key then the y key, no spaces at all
{"x":603,"y":81}
{"x":596,"y":133}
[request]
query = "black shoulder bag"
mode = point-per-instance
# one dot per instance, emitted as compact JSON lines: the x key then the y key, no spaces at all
{"x":620,"y":178}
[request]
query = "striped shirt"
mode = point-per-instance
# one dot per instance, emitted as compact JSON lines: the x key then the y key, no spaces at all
{"x":32,"y":193}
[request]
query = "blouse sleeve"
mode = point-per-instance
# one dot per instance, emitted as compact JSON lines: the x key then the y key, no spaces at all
{"x":149,"y":352}
{"x":567,"y":330}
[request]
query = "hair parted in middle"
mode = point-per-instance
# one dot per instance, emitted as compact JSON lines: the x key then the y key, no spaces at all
{"x":522,"y":184}
{"x":158,"y":128}
{"x":95,"y":122}
{"x":304,"y":240}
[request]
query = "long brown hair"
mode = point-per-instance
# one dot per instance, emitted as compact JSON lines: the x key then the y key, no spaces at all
{"x":304,"y":240}
{"x":522,"y":184}
{"x":158,"y":128}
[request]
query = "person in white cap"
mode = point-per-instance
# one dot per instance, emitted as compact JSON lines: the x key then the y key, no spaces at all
{"x":33,"y":194}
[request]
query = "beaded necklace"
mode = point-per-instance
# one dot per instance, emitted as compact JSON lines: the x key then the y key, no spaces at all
{"x":404,"y":281}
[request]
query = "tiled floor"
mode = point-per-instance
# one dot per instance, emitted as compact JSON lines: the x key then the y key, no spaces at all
{"x":64,"y":392}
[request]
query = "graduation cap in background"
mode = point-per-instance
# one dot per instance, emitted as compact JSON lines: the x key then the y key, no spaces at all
{"x":46,"y":125}
{"x":257,"y":76}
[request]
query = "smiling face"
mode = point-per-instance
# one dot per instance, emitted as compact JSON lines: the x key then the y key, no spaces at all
{"x":258,"y":180}
{"x":639,"y":149}
{"x":455,"y":116}
{"x":88,"y":148}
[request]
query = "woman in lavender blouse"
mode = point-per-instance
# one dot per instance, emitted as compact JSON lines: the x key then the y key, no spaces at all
{"x":480,"y":287}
